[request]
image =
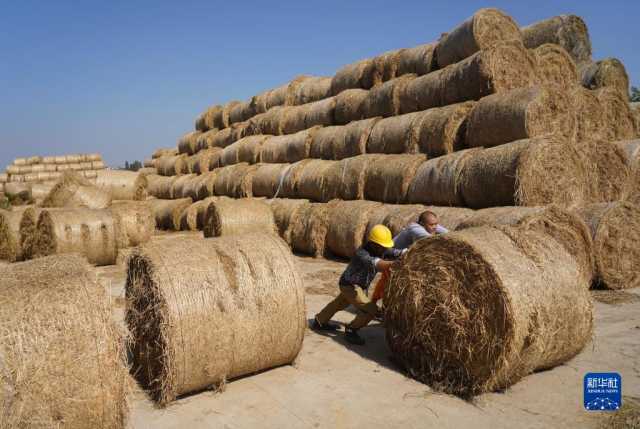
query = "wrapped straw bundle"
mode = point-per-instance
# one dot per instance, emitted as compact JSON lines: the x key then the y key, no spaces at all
{"x":419,"y":60}
{"x":92,"y":233}
{"x":308,"y":90}
{"x":63,"y":356}
{"x":386,"y":65}
{"x":568,"y":31}
{"x":348,"y":222}
{"x":167,"y":213}
{"x":160,"y":186}
{"x":29,"y":233}
{"x":284,"y":211}
{"x":159,"y":153}
{"x":350,"y":106}
{"x":608,"y":172}
{"x":123,"y":185}
{"x":179,"y":185}
{"x":519,"y":114}
{"x":193,"y":218}
{"x":609,"y":72}
{"x":490,"y":312}
{"x":241,"y":112}
{"x":134,"y":221}
{"x":308,"y":229}
{"x":171,"y":165}
{"x":555,"y":66}
{"x":247,"y":149}
{"x":268,"y":178}
{"x":360,"y":75}
{"x":345,"y":179}
{"x":226,"y":112}
{"x":631,"y":150}
{"x":589,"y":114}
{"x":319,"y":113}
{"x":208,"y":159}
{"x":228,"y":216}
{"x":288,"y":148}
{"x":187,"y":144}
{"x":271,"y":98}
{"x":250,"y":313}
{"x":75,"y":191}
{"x":440,"y":130}
{"x":484,"y":30}
{"x":311,"y":180}
{"x":10,"y":246}
{"x":618,"y":119}
{"x":341,"y":141}
{"x":391,"y":135}
{"x":271,"y":122}
{"x":205,"y":186}
{"x":388,"y":177}
{"x":234,"y":180}
{"x":384,"y":100}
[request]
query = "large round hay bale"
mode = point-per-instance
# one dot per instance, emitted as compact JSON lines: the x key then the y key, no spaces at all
{"x":618,"y":120}
{"x":345,"y":179}
{"x":388,"y":177}
{"x":289,"y":187}
{"x":350,"y":106}
{"x":419,"y":60}
{"x":589,"y":114}
{"x":360,"y":75}
{"x":171,"y":165}
{"x":608,"y":171}
{"x":615,"y":229}
{"x":292,"y":119}
{"x":284,"y":211}
{"x":348,"y":222}
{"x":288,"y":148}
{"x":342,"y":141}
{"x":205,"y":121}
{"x":10,"y":246}
{"x":190,"y":164}
{"x":271,"y":98}
{"x":631,"y":150}
{"x":234,"y":180}
{"x":250,"y":314}
{"x":29,"y":232}
{"x":308,"y":90}
{"x":392,"y":135}
{"x":208,"y":159}
{"x":499,"y":69}
{"x":205,"y":186}
{"x":193,"y":218}
{"x":247,"y":149}
{"x":635,"y":111}
{"x":228,"y":216}
{"x":555,"y":66}
{"x":179,"y":185}
{"x":482,"y":340}
{"x":609,"y":72}
{"x":318,"y":113}
{"x":98,"y":165}
{"x":160,"y":186}
{"x":441,"y":130}
{"x":386,"y":66}
{"x":267,"y":179}
{"x":528,"y":172}
{"x":75,"y":191}
{"x":485,"y":29}
{"x":158,"y":153}
{"x":63,"y":362}
{"x":187,"y":144}
{"x":384,"y":100}
{"x":568,"y":31}
{"x":308,"y":229}
{"x":204,"y":140}
{"x":222,"y":138}
{"x":168,"y":212}
{"x":311,"y":180}
{"x":241,"y":112}
{"x":519,"y":114}
{"x":4,"y":177}
{"x":123,"y":185}
{"x":437,"y":181}
{"x":135,"y":222}
{"x":191,"y":187}
{"x":271,"y":122}
{"x":92,"y":233}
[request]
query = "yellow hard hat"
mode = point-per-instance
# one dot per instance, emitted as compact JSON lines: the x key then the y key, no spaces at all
{"x":381,"y":235}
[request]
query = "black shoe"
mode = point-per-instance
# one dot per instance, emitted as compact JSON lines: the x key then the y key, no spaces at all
{"x":322,"y":326}
{"x":352,"y":336}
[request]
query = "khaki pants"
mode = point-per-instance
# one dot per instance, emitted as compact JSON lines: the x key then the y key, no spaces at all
{"x":355,"y":296}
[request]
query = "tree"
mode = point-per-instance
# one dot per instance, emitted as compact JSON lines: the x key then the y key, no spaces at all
{"x":132,"y":166}
{"x":635,"y":94}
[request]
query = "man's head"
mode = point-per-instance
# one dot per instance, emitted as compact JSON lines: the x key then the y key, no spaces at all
{"x":429,"y":221}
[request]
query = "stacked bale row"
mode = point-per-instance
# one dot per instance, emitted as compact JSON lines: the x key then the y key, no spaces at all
{"x":39,"y":169}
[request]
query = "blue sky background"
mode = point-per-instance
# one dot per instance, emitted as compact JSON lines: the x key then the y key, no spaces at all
{"x":125,"y":77}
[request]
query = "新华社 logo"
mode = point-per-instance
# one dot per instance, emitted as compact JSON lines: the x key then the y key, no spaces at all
{"x":602,"y":391}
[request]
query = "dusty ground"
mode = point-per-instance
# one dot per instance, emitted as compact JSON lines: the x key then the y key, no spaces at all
{"x":336,"y":385}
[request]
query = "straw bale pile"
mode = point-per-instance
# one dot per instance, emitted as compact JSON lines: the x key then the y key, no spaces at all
{"x":568,"y":31}
{"x":135,"y":222}
{"x":607,"y":73}
{"x":123,"y":185}
{"x":75,"y":191}
{"x":555,"y":66}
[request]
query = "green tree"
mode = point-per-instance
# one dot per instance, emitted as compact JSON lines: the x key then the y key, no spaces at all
{"x":635,"y":94}
{"x":132,"y":166}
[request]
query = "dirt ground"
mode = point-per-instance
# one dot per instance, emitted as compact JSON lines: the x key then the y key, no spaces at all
{"x":336,"y":385}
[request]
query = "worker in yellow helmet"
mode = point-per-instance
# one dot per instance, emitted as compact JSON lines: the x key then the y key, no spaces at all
{"x":376,"y":255}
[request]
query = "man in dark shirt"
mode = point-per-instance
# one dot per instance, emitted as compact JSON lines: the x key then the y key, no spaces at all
{"x":372,"y":257}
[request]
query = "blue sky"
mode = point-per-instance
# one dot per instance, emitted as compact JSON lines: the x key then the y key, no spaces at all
{"x":125,"y":77}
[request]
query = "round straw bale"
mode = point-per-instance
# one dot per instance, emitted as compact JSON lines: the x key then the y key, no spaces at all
{"x":318,"y":113}
{"x":386,"y":65}
{"x":135,"y":222}
{"x":234,"y":180}
{"x":158,"y":153}
{"x":238,"y":216}
{"x":222,"y":138}
{"x":192,"y":186}
{"x":241,"y":112}
{"x":360,"y":74}
{"x":193,"y":218}
{"x":188,"y":143}
{"x":75,"y":191}
{"x":528,"y":172}
{"x":205,"y":140}
{"x":213,"y":117}
{"x":387,"y":177}
{"x":10,"y":247}
{"x":308,"y":228}
{"x":276,"y":97}
{"x":48,"y":159}
{"x":615,"y":229}
{"x":311,"y":180}
{"x":168,"y":212}
{"x":418,"y":60}
{"x":485,"y":29}
{"x":246,"y":149}
{"x":171,"y":165}
{"x":347,"y":225}
{"x":4,"y":177}
{"x":208,"y":159}
{"x":20,"y":161}
{"x":86,"y":231}
{"x":589,"y":114}
{"x":271,"y":122}
{"x":123,"y":185}
{"x":29,"y":233}
{"x":437,"y":180}
{"x":555,"y":66}
{"x":441,"y":130}
{"x":310,"y":89}
{"x":73,"y":159}
{"x":609,"y":72}
{"x":267,"y":179}
{"x":384,"y":100}
{"x":289,"y":186}
{"x":39,"y":191}
{"x":38,"y":168}
{"x":178,"y":186}
{"x":19,"y":190}
{"x":350,"y":106}
{"x":75,"y":166}
{"x":378,"y":215}
{"x":499,"y":69}
{"x":250,"y":313}
{"x":226,"y":112}
{"x":292,"y":119}
{"x":204,"y":121}
{"x":346,"y":179}
{"x":618,"y":120}
{"x":631,"y":149}
{"x":160,"y":186}
{"x":63,"y":356}
{"x":288,"y":148}
{"x":342,"y":141}
{"x":205,"y":186}
{"x":518,"y":114}
{"x":568,"y":31}
{"x":490,"y":311}
{"x":393,"y":135}
{"x":284,"y":211}
{"x":60,"y":159}
{"x":14,"y":169}
{"x":93,"y":157}
{"x":190,"y":164}
{"x":608,"y":171}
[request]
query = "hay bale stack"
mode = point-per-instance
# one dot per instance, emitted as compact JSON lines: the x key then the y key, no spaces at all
{"x":234,"y":180}
{"x":555,"y":66}
{"x":607,"y":73}
{"x":135,"y":222}
{"x":168,"y":212}
{"x":91,"y":233}
{"x":437,"y":181}
{"x":519,"y":114}
{"x":615,"y":229}
{"x":308,"y":229}
{"x":419,"y":60}
{"x":247,"y":149}
{"x":387,"y":177}
{"x":384,"y":100}
{"x":568,"y":31}
{"x":342,"y":141}
{"x":228,"y":216}
{"x":589,"y":114}
{"x":250,"y":314}
{"x":483,"y":340}
{"x":160,"y":186}
{"x":123,"y":185}
{"x":63,"y":358}
{"x":608,"y":172}
{"x":499,"y":69}
{"x":348,"y":222}
{"x":75,"y":191}
{"x":288,"y":148}
{"x":631,"y":150}
{"x":268,"y":179}
{"x":308,"y":90}
{"x":311,"y":180}
{"x":484,"y":30}
{"x":618,"y":120}
{"x":358,"y":75}
{"x":171,"y":165}
{"x":345,"y":179}
{"x":284,"y":211}
{"x":530,"y":172}
{"x":10,"y":246}
{"x":350,"y":106}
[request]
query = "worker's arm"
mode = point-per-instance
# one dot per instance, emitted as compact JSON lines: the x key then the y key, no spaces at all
{"x":382,"y":265}
{"x":441,"y":229}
